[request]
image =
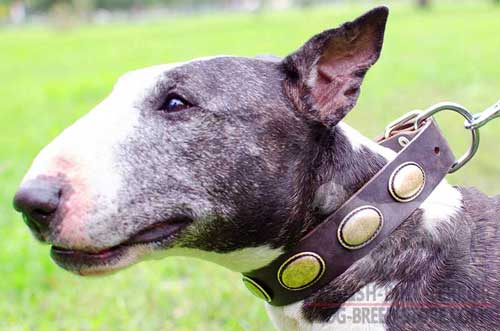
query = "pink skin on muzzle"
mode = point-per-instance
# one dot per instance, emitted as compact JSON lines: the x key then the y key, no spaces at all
{"x":75,"y":204}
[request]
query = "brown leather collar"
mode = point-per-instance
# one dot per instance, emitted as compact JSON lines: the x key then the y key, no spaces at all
{"x":364,"y":221}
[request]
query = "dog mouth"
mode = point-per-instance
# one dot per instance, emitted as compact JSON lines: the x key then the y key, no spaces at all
{"x":157,"y":236}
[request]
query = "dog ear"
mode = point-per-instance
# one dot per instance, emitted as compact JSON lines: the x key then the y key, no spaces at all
{"x":324,"y":76}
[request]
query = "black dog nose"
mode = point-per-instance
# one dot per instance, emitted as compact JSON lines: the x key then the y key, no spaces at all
{"x":38,"y":200}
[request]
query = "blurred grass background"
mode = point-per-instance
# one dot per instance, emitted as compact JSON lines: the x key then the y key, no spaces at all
{"x":50,"y":77}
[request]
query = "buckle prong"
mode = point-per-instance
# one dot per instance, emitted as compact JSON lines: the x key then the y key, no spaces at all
{"x":401,"y":121}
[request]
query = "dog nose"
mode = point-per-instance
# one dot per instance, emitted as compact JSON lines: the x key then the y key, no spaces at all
{"x":38,"y":200}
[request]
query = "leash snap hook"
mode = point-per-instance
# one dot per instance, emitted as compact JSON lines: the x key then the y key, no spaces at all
{"x":469,"y":119}
{"x":484,"y":117}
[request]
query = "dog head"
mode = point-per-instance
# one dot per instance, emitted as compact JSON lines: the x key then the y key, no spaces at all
{"x":214,"y":157}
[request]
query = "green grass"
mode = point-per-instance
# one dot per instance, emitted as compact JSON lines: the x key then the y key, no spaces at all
{"x":50,"y":78}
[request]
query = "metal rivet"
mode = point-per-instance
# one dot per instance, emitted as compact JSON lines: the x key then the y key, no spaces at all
{"x":360,"y":227}
{"x":301,"y":271}
{"x":256,"y":289}
{"x":407,"y":182}
{"x":403,"y":141}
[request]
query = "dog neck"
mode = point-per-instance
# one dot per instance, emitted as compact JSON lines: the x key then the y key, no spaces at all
{"x":353,"y":160}
{"x":350,"y":161}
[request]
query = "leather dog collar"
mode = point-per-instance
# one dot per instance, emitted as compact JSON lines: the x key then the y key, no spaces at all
{"x":360,"y":224}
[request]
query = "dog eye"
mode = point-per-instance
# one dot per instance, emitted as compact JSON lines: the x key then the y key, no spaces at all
{"x":174,"y":103}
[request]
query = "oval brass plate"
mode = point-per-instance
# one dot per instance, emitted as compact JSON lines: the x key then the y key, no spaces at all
{"x":360,"y":227}
{"x":256,"y":289}
{"x":301,"y":271}
{"x":407,"y":182}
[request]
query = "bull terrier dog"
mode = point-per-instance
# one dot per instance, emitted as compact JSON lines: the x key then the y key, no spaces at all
{"x":234,"y":160}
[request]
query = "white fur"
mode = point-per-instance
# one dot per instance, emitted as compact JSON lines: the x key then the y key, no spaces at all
{"x":105,"y":125}
{"x":313,"y":74}
{"x":328,"y":194}
{"x":358,"y":141}
{"x":440,"y":207}
{"x":241,"y":260}
{"x":371,"y":298}
{"x":288,"y":318}
{"x":74,"y":154}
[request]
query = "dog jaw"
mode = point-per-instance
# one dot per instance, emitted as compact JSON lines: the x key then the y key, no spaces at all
{"x":240,"y":260}
{"x":127,"y":256}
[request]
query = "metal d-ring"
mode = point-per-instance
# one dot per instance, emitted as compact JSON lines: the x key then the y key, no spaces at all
{"x":469,"y":119}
